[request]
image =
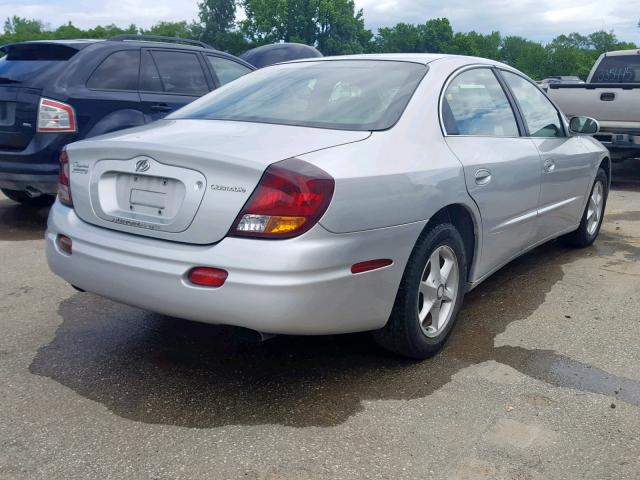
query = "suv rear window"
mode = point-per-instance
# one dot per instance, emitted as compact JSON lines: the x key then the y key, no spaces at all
{"x":26,"y":60}
{"x":337,"y":94}
{"x":618,"y":69}
{"x":119,"y":71}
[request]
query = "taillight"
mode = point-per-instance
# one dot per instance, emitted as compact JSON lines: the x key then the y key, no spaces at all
{"x":64,"y":189}
{"x":54,"y":116}
{"x":290,"y":199}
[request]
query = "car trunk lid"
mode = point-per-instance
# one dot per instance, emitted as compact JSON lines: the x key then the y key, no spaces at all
{"x":183,"y":180}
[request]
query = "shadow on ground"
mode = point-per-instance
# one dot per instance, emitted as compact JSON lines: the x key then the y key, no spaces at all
{"x":155,"y":369}
{"x":19,"y":222}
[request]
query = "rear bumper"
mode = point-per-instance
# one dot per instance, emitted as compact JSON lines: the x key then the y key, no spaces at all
{"x":299,"y":286}
{"x":36,"y":166}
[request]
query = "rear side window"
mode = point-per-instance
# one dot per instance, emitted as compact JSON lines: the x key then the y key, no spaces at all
{"x":227,"y":70}
{"x":178,"y":73}
{"x":618,"y":69}
{"x":475,"y":104}
{"x":541,"y":117}
{"x":119,"y":71}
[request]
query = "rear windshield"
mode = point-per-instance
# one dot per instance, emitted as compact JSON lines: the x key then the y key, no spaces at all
{"x":618,"y":69}
{"x":25,"y":61}
{"x":339,"y":94}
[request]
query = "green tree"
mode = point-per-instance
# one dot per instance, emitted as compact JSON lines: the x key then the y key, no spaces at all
{"x":217,"y":26}
{"x":18,"y":29}
{"x":333,"y":26}
{"x":170,"y":29}
{"x":434,"y":36}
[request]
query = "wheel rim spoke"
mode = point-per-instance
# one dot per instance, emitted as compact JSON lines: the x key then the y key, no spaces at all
{"x":434,"y":276}
{"x":435,"y":316}
{"x":437,"y":291}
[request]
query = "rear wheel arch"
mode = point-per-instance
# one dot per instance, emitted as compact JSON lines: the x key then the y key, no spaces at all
{"x":605,"y":164}
{"x":465,"y":221}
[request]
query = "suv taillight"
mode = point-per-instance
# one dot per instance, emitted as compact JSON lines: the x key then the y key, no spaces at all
{"x":54,"y":116}
{"x":64,"y":189}
{"x":290,"y":199}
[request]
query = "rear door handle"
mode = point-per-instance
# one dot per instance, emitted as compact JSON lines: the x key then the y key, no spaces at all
{"x":161,"y":107}
{"x":549,"y":165}
{"x":607,"y":96}
{"x":483,"y":176}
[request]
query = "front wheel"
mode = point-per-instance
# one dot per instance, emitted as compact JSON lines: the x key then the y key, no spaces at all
{"x":593,"y":214}
{"x":430,"y":295}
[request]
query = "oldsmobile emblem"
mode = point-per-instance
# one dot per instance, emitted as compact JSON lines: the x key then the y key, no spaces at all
{"x":142,"y":165}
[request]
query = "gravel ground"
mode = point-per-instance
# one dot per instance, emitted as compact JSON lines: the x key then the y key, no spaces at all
{"x":540,"y":380}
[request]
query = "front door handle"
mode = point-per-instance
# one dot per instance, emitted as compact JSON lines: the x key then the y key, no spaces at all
{"x":161,"y":107}
{"x":483,"y":176}
{"x":549,"y":165}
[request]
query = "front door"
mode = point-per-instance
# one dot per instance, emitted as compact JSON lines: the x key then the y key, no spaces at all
{"x":502,"y":169}
{"x":565,"y":163}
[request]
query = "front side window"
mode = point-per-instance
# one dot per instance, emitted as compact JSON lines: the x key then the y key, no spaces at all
{"x":541,"y":117}
{"x":338,"y":94}
{"x":179,"y":73}
{"x":119,"y":71}
{"x":475,"y":104}
{"x":227,"y":70}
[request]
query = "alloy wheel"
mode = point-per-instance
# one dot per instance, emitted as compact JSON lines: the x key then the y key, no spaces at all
{"x":438,"y":291}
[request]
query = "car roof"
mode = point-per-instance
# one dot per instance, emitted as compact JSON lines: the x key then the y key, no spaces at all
{"x":81,"y":43}
{"x":423,"y":58}
{"x":615,"y":53}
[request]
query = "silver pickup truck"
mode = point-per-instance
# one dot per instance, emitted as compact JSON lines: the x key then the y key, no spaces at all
{"x":611,"y":95}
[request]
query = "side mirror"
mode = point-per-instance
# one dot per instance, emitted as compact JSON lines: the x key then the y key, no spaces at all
{"x":584,"y":125}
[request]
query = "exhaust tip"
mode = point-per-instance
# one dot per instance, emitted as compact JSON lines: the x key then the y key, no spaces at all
{"x":32,"y":192}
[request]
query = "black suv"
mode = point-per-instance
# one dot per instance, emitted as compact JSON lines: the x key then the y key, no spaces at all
{"x":56,"y":92}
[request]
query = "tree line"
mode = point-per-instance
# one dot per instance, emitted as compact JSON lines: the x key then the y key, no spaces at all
{"x":336,"y":27}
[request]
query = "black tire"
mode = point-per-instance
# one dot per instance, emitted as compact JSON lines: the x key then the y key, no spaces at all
{"x":581,"y":237}
{"x":403,"y":333}
{"x":21,"y":197}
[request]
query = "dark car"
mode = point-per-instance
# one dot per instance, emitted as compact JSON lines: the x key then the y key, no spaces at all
{"x":56,"y":92}
{"x":266,"y":55}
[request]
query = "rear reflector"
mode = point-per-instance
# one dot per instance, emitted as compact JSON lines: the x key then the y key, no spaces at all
{"x":207,"y":276}
{"x":370,"y":265}
{"x":64,"y":244}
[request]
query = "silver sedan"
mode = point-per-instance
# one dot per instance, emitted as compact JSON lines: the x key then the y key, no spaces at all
{"x":334,"y":195}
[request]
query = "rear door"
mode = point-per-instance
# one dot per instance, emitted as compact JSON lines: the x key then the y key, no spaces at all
{"x":170,"y":79}
{"x":566,"y":165}
{"x":111,"y":99}
{"x":502,"y":169}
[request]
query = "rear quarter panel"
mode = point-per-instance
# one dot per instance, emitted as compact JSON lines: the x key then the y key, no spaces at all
{"x":398,"y":176}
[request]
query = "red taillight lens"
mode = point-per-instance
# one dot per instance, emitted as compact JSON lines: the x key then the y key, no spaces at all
{"x":64,"y":189}
{"x":64,"y":243}
{"x":370,"y":265}
{"x":290,"y":199}
{"x":54,"y":116}
{"x":207,"y":276}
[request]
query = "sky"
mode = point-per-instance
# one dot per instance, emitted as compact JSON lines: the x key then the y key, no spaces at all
{"x":539,"y":20}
